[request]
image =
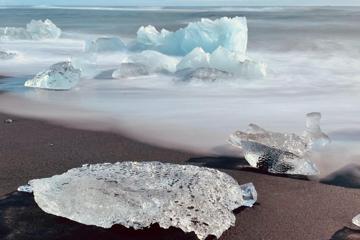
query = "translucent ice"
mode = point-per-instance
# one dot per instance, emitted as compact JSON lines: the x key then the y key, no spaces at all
{"x":35,"y":30}
{"x":25,"y":188}
{"x":155,"y":61}
{"x":60,"y":76}
{"x":4,"y":55}
{"x":356,"y":220}
{"x":313,"y":134}
{"x":230,"y":33}
{"x":127,"y":70}
{"x":203,"y":74}
{"x":223,"y":60}
{"x":280,"y":152}
{"x":105,"y":44}
{"x":139,"y":194}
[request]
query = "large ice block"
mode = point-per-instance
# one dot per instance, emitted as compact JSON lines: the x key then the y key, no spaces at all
{"x":35,"y":30}
{"x":60,"y":76}
{"x":139,"y":194}
{"x":230,"y":33}
{"x":155,"y":61}
{"x":279,"y":152}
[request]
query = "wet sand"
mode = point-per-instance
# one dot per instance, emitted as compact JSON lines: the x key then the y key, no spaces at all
{"x":287,"y":208}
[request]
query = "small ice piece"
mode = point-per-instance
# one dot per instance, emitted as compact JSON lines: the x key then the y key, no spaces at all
{"x":127,"y":70}
{"x":223,"y":60}
{"x":313,"y":134}
{"x":140,"y":194}
{"x":105,"y":44}
{"x":155,"y":62}
{"x":60,"y":76}
{"x":203,"y":74}
{"x":230,"y":33}
{"x":4,"y":55}
{"x":274,"y":152}
{"x":26,"y":188}
{"x":356,"y":220}
{"x":35,"y":30}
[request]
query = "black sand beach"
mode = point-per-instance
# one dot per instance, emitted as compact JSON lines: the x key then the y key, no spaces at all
{"x":287,"y":208}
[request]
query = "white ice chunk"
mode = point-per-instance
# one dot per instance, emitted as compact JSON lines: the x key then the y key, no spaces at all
{"x":277,"y":152}
{"x":60,"y":76}
{"x":230,"y":33}
{"x":105,"y":44}
{"x":127,"y":70}
{"x":313,"y":134}
{"x":155,"y":62}
{"x":35,"y":30}
{"x":139,"y":194}
{"x":4,"y":55}
{"x":25,"y":188}
{"x":223,"y":60}
{"x":356,"y":220}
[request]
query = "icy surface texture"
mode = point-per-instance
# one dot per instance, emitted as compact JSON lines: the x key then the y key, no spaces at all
{"x":230,"y":33}
{"x":313,"y":134}
{"x":279,"y":152}
{"x":155,"y":62}
{"x":60,"y":76}
{"x":139,"y":194}
{"x":128,"y":70}
{"x":25,"y":188}
{"x":35,"y":30}
{"x":4,"y":55}
{"x":105,"y":44}
{"x":223,"y":60}
{"x":356,"y":220}
{"x":202,"y":74}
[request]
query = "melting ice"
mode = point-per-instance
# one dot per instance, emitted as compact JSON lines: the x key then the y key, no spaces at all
{"x":139,"y":194}
{"x":356,"y":220}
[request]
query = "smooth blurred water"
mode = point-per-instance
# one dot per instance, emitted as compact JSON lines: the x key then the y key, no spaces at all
{"x":312,"y":53}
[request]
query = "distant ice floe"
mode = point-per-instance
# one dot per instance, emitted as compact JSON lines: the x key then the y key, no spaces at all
{"x":140,"y":194}
{"x":105,"y":44}
{"x":356,"y":220}
{"x":35,"y":30}
{"x":229,"y":33}
{"x":281,"y":152}
{"x":60,"y":76}
{"x":5,"y":55}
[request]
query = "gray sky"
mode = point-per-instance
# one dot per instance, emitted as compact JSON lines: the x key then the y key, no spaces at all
{"x":182,"y":2}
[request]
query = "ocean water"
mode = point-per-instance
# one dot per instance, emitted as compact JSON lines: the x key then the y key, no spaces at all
{"x":312,"y":54}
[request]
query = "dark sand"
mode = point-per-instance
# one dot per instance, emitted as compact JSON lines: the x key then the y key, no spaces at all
{"x":287,"y":208}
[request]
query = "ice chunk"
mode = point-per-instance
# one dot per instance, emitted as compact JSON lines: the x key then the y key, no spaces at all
{"x":25,"y":188}
{"x":4,"y":55}
{"x":139,"y":194}
{"x":127,"y":70}
{"x":276,"y":152}
{"x":313,"y":134}
{"x":230,"y":33}
{"x":35,"y":30}
{"x":105,"y":44}
{"x":203,"y":74}
{"x":155,"y":61}
{"x":356,"y":220}
{"x":223,"y":60}
{"x":60,"y":76}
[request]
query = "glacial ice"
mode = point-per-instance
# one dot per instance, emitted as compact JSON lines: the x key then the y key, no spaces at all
{"x":4,"y":55}
{"x":229,"y":33}
{"x":281,"y":152}
{"x":223,"y":60}
{"x":202,"y":74}
{"x":356,"y":220}
{"x":35,"y":30}
{"x":60,"y":76}
{"x":139,"y":194}
{"x":105,"y":44}
{"x":127,"y":70}
{"x":155,"y":62}
{"x":25,"y":188}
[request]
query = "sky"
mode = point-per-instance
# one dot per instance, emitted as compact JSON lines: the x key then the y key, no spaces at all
{"x":181,"y":2}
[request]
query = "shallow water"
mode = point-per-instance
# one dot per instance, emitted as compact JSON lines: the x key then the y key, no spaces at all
{"x":313,"y":58}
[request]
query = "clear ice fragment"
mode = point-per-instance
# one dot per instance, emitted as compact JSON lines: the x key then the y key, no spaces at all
{"x":60,"y":76}
{"x":105,"y":44}
{"x":313,"y":134}
{"x":356,"y":220}
{"x":203,"y":74}
{"x":26,"y":188}
{"x":127,"y":70}
{"x":139,"y":194}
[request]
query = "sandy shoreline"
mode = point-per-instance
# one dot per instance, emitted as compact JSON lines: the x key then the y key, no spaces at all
{"x":287,"y":208}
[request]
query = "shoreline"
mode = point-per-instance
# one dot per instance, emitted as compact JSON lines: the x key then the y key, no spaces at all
{"x":287,"y":208}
